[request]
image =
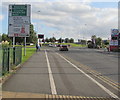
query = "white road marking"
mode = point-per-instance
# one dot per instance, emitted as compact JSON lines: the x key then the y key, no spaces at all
{"x":100,"y":85}
{"x":52,"y":83}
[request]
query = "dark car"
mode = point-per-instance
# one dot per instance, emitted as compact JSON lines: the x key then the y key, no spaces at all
{"x":58,"y":45}
{"x":63,"y":48}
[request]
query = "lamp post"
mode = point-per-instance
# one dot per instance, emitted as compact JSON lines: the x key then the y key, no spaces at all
{"x":85,"y":34}
{"x":83,"y":37}
{"x":38,"y":24}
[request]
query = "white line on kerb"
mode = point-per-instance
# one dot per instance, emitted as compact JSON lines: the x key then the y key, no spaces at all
{"x":52,"y":83}
{"x":100,"y":85}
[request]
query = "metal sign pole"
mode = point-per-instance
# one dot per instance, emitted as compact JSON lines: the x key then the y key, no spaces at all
{"x":13,"y":41}
{"x":25,"y":47}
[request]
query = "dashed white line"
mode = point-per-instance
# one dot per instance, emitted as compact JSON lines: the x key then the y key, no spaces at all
{"x":100,"y":85}
{"x":52,"y":83}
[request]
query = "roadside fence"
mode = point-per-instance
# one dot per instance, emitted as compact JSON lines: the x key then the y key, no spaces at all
{"x":11,"y":56}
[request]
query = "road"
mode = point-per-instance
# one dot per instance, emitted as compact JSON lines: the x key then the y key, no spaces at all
{"x":105,"y":63}
{"x":67,"y":73}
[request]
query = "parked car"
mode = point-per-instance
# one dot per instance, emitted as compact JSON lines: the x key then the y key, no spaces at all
{"x":63,"y":48}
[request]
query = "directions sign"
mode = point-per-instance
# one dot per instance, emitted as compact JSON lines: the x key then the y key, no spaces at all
{"x":19,"y":20}
{"x":19,"y":10}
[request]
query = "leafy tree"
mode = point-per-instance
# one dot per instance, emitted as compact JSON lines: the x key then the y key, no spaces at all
{"x":6,"y":38}
{"x":47,"y":40}
{"x":98,"y":41}
{"x":106,"y":42}
{"x":83,"y":41}
{"x":19,"y":40}
{"x":93,"y":38}
{"x":60,"y":40}
{"x":66,"y":40}
{"x":32,"y":38}
{"x":0,"y":38}
{"x":71,"y":40}
{"x":50,"y":39}
{"x":53,"y":39}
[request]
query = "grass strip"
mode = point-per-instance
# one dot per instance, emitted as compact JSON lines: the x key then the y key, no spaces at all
{"x":29,"y":53}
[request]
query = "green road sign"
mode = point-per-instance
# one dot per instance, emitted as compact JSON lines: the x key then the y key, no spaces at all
{"x":19,"y":10}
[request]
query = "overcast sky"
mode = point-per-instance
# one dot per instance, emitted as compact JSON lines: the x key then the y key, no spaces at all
{"x":67,"y":19}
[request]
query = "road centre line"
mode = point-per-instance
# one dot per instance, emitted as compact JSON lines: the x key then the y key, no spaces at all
{"x":52,"y":83}
{"x":100,"y":85}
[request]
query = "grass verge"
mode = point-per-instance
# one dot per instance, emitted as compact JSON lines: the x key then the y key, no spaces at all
{"x":29,"y":53}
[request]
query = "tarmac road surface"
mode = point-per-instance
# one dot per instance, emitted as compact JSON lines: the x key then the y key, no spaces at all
{"x":52,"y":72}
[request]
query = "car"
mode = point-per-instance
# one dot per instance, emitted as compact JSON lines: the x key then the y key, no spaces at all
{"x":63,"y":48}
{"x":51,"y":45}
{"x":58,"y":45}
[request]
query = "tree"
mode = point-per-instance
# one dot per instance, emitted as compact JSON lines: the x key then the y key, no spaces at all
{"x":66,"y":40}
{"x":60,"y":40}
{"x":50,"y":39}
{"x":98,"y":41}
{"x":53,"y":39}
{"x":106,"y":42}
{"x":6,"y":38}
{"x":93,"y":38}
{"x":19,"y":40}
{"x":71,"y":40}
{"x":47,"y":40}
{"x":32,"y":38}
{"x":83,"y":42}
{"x":0,"y":38}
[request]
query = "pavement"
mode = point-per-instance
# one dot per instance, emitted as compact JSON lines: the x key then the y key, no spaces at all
{"x":52,"y":72}
{"x":35,"y":96}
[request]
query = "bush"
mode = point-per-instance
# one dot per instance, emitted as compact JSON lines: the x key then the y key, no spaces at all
{"x":5,"y":44}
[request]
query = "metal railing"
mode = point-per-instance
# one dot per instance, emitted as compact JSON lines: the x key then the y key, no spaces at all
{"x":11,"y":56}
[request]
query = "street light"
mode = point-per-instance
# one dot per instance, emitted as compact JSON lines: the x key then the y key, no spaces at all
{"x":83,"y":35}
{"x":38,"y":24}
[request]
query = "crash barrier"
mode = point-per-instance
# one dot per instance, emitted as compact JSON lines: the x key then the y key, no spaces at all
{"x":11,"y":56}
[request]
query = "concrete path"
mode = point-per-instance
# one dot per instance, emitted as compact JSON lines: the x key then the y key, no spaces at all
{"x":31,"y":77}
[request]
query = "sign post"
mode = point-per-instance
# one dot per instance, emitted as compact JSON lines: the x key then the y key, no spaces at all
{"x":25,"y":47}
{"x":19,"y":22}
{"x":13,"y":41}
